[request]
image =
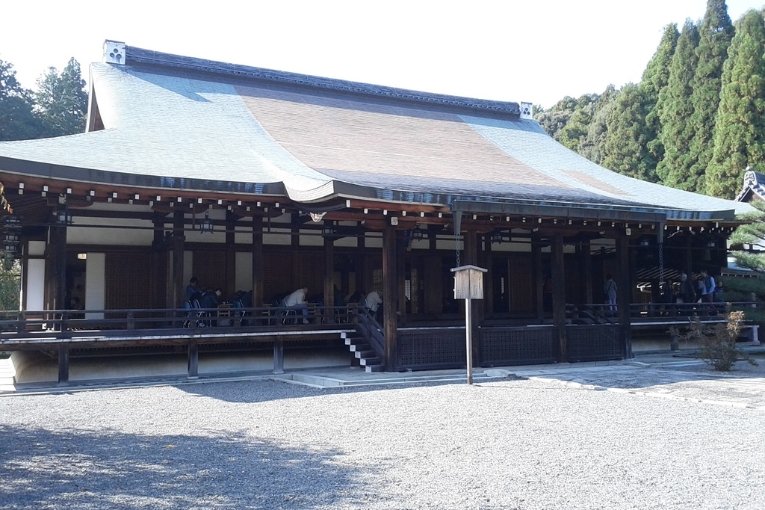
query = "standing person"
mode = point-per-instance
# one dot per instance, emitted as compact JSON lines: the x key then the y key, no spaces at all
{"x":609,"y":290}
{"x":192,"y":289}
{"x":296,"y":301}
{"x":687,"y":293}
{"x":709,"y":287}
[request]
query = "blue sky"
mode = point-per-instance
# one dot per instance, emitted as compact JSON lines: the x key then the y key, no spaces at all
{"x":537,"y":51}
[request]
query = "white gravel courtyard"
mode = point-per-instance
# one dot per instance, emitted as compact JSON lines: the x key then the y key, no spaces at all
{"x":516,"y":443}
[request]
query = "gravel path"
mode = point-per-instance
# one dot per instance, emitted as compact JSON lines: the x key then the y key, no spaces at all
{"x":511,"y":444}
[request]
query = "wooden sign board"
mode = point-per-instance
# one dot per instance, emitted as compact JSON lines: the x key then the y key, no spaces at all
{"x":468,"y":282}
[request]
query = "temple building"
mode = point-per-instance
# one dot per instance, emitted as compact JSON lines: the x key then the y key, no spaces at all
{"x":261,"y":182}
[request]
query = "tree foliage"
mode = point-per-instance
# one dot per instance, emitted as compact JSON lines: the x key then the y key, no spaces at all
{"x":626,"y":143}
{"x":715,"y":35}
{"x":17,"y":118}
{"x":62,"y":101}
{"x":739,"y":136}
{"x":695,"y":120}
{"x":655,"y":79}
{"x":674,"y":108}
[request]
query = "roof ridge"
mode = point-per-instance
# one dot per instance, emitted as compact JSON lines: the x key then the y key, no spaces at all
{"x":135,"y":55}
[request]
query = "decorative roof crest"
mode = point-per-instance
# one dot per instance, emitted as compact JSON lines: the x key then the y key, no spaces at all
{"x":114,"y":52}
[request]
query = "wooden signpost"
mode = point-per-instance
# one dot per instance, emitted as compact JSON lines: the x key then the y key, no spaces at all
{"x":468,"y":284}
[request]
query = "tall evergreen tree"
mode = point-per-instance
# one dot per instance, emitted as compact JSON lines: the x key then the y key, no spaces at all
{"x":626,"y":143}
{"x":592,"y":146}
{"x":555,"y":118}
{"x":62,"y":101}
{"x":675,"y":109}
{"x":575,"y":130}
{"x":715,"y":35}
{"x":17,"y":119}
{"x":655,"y":79}
{"x":739,"y":137}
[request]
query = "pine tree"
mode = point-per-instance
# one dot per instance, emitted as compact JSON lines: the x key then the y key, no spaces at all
{"x":62,"y":101}
{"x":17,"y":119}
{"x":739,"y":136}
{"x":626,"y":143}
{"x":675,"y":109}
{"x":715,"y":35}
{"x":655,"y":79}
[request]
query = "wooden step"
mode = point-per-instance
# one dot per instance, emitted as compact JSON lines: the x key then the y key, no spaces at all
{"x":373,"y":361}
{"x":370,"y":354}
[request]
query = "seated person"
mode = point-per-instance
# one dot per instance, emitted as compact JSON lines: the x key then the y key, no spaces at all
{"x":372,"y":302}
{"x":296,"y":301}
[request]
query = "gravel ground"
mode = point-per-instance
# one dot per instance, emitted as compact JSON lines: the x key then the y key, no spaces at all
{"x":511,"y":444}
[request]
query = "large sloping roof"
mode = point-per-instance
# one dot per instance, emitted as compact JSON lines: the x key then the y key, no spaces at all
{"x":189,"y":124}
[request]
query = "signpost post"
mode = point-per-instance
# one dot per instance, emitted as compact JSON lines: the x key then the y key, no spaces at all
{"x":468,"y":284}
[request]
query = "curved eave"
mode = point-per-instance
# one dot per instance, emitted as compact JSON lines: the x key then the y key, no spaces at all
{"x":338,"y":189}
{"x":43,"y":170}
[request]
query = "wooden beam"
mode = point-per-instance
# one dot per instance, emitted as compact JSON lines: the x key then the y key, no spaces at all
{"x":279,"y":355}
{"x":390,"y":279}
{"x":559,"y":295}
{"x":59,"y":266}
{"x":230,"y":254}
{"x":329,"y":273}
{"x":258,"y":272}
{"x":193,"y":359}
{"x":539,"y":278}
{"x":63,"y":364}
{"x":586,"y":257}
{"x":624,"y":287}
{"x":178,"y":246}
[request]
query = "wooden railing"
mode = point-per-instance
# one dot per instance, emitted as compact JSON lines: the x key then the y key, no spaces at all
{"x":143,"y":321}
{"x":368,"y":327}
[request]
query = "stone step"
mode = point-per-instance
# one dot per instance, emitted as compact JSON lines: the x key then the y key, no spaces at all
{"x":373,"y":368}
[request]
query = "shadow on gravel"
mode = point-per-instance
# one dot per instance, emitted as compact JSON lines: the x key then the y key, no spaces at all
{"x":95,"y":470}
{"x":247,"y":392}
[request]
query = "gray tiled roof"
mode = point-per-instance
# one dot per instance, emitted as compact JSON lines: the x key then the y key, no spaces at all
{"x":183,"y":123}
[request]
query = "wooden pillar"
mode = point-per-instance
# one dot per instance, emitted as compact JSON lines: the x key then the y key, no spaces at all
{"x":178,"y":246}
{"x":159,"y":263}
{"x":329,"y":281}
{"x":539,"y":277}
{"x":279,"y":355}
{"x":558,"y":276}
{"x":257,"y":260}
{"x":63,"y":364}
{"x":488,"y":278}
{"x":295,"y":253}
{"x":360,"y":264}
{"x":230,"y":253}
{"x":193,"y":355}
{"x":587,"y":271}
{"x":624,"y":294}
{"x":59,"y":266}
{"x":401,"y":242}
{"x":688,"y":255}
{"x":390,"y":295}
